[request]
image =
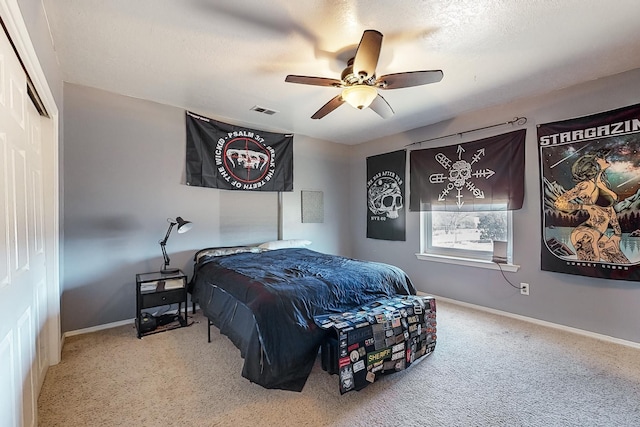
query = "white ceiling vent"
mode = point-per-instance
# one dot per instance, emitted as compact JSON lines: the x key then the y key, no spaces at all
{"x":263,"y":110}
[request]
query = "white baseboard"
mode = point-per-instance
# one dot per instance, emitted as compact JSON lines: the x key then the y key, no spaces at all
{"x":577,"y":331}
{"x":108,"y":326}
{"x":98,"y":328}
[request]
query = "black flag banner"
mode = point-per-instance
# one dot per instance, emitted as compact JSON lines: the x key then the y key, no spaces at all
{"x":590,"y":188}
{"x":230,"y":157}
{"x":386,"y":219}
{"x":483,"y":175}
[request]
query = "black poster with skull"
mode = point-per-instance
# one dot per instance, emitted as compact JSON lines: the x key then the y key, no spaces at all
{"x":230,"y":157}
{"x":385,"y":196}
{"x":483,"y":175}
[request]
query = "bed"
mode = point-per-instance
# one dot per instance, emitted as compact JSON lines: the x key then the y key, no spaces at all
{"x":265,"y":302}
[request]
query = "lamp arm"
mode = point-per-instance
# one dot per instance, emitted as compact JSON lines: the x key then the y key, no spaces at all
{"x":163,"y":243}
{"x":165,"y":256}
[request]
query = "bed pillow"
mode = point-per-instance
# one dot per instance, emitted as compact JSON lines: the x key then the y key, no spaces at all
{"x":226,"y":251}
{"x":281,"y":244}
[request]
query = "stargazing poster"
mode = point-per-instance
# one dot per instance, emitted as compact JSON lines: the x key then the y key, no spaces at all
{"x":590,"y":186}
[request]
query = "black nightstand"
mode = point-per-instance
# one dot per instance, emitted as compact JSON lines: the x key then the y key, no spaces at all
{"x":156,"y":289}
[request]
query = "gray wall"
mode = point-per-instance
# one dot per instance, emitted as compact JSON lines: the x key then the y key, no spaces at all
{"x":606,"y":307}
{"x":124,"y":176}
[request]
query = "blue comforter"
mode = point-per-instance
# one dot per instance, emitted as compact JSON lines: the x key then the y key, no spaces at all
{"x":282,"y":290}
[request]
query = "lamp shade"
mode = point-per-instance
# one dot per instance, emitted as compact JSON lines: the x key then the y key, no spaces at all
{"x":183,"y":226}
{"x":359,"y":96}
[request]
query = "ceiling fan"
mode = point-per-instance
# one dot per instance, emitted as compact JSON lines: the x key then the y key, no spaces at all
{"x":359,"y":82}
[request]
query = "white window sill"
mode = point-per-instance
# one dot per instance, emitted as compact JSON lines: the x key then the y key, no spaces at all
{"x":468,"y":262}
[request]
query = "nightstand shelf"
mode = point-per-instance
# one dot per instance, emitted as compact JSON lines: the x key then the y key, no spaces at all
{"x":156,"y":289}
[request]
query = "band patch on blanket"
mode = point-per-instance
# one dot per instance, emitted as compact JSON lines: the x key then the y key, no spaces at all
{"x":384,"y":336}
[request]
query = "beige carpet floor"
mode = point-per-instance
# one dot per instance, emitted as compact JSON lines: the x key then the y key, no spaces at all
{"x":487,"y":370}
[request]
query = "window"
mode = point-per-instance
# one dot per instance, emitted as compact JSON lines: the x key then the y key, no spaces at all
{"x":465,"y":235}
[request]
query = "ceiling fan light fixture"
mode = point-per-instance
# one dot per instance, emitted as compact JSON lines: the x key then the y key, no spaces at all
{"x":359,"y":96}
{"x":359,"y":82}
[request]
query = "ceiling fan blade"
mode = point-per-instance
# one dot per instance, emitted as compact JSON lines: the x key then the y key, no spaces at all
{"x":367,"y":54}
{"x":315,"y":81}
{"x":409,"y":79}
{"x":382,"y":107}
{"x":329,"y":107}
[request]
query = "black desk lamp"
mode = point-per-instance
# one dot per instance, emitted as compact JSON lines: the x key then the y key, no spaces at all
{"x":183,"y":227}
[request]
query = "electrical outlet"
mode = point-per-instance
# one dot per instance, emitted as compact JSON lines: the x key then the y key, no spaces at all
{"x":524,"y":288}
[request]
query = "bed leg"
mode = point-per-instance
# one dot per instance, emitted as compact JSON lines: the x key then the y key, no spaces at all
{"x":209,"y":330}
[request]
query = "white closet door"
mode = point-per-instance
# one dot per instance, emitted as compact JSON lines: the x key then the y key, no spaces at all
{"x":23,"y":292}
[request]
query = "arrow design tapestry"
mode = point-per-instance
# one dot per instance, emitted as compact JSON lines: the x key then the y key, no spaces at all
{"x":590,"y":170}
{"x":483,"y":175}
{"x":230,"y":157}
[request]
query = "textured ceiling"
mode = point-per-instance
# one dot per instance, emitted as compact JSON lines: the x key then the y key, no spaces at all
{"x":220,"y":58}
